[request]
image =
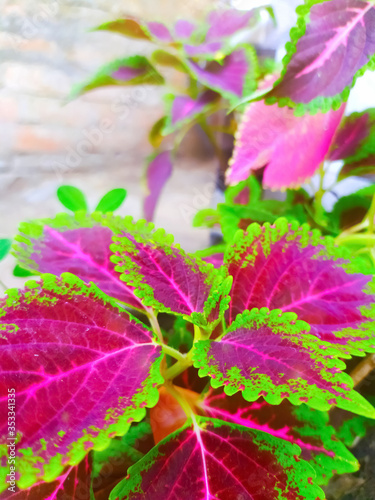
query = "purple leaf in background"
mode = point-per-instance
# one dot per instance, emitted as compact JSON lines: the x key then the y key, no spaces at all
{"x":69,"y":352}
{"x":226,"y":22}
{"x":266,"y":353}
{"x":74,"y":484}
{"x":127,"y":27}
{"x":185,"y":108}
{"x":233,"y":76}
{"x":78,"y":244}
{"x":290,"y":147}
{"x":158,"y":172}
{"x":165,"y":276}
{"x":204,"y":49}
{"x":133,"y":70}
{"x":354,"y":129}
{"x":211,"y":459}
{"x":324,"y":59}
{"x":301,"y":425}
{"x":361,"y":168}
{"x":160,"y":32}
{"x":293,"y":269}
{"x":184,"y":28}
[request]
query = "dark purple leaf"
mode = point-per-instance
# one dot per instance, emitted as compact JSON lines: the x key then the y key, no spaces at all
{"x":332,"y":45}
{"x":290,"y":147}
{"x":76,"y":244}
{"x":158,"y":172}
{"x":300,"y":425}
{"x":69,"y":353}
{"x":354,"y":129}
{"x":295,"y":269}
{"x":212,"y":459}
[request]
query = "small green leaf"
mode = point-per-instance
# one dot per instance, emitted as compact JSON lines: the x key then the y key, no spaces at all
{"x":111,"y":201}
{"x":128,"y":27}
{"x":20,"y":272}
{"x":72,"y":198}
{"x":5,"y":245}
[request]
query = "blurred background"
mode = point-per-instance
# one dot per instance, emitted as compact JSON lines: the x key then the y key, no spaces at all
{"x":100,"y":141}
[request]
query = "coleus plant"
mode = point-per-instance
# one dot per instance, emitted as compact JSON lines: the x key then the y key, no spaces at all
{"x":214,"y":71}
{"x":239,"y":410}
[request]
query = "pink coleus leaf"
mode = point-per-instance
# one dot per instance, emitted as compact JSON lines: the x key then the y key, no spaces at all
{"x":74,"y":484}
{"x":271,"y":354}
{"x":78,"y":244}
{"x":69,"y":351}
{"x":290,"y":147}
{"x":292,"y":268}
{"x":159,"y":170}
{"x":300,"y":425}
{"x":332,"y":45}
{"x":234,"y":76}
{"x":209,"y":459}
{"x":165,"y":276}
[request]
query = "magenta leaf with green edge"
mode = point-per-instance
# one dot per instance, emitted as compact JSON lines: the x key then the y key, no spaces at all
{"x":332,"y":45}
{"x":69,"y":351}
{"x":184,"y":29}
{"x":209,"y":458}
{"x":354,"y":129}
{"x":271,"y":354}
{"x":164,"y":276}
{"x":300,"y":425}
{"x":133,"y":70}
{"x":159,"y":170}
{"x":290,"y":147}
{"x":79,"y":244}
{"x":226,"y":22}
{"x":128,"y":27}
{"x":74,"y":483}
{"x":234,"y":76}
{"x":292,"y":268}
{"x":184,"y":109}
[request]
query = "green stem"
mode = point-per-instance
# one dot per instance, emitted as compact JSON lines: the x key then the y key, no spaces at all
{"x":319,"y":211}
{"x":155,"y":324}
{"x":180,"y":399}
{"x":360,"y":239}
{"x":173,"y":352}
{"x":371,"y":216}
{"x":179,"y":367}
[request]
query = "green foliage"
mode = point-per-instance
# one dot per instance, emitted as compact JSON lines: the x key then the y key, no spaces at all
{"x":72,"y":198}
{"x":111,"y":201}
